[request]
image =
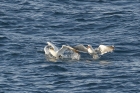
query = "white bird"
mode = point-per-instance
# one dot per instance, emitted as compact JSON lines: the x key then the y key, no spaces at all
{"x":102,"y":49}
{"x":55,"y":52}
{"x":105,"y":49}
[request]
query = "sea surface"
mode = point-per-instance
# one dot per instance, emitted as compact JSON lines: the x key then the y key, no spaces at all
{"x":26,"y":26}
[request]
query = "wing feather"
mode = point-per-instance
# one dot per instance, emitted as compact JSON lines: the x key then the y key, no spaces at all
{"x":53,"y":46}
{"x":46,"y":50}
{"x":62,"y":49}
{"x":81,"y":48}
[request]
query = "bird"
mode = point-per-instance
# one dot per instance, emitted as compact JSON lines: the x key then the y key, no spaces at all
{"x":58,"y":53}
{"x":95,"y":53}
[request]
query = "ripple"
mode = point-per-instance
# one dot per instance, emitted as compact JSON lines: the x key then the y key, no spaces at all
{"x":26,"y":26}
{"x":55,"y":68}
{"x":3,"y":37}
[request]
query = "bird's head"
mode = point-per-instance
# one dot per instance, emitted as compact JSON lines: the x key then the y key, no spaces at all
{"x":88,"y":46}
{"x":112,"y":47}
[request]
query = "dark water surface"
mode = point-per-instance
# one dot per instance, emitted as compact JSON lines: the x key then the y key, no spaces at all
{"x":26,"y":26}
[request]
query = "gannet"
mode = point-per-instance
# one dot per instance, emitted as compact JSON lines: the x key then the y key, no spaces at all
{"x":102,"y":49}
{"x":57,"y":53}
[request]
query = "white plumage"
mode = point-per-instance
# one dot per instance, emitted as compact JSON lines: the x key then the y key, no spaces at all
{"x":57,"y":53}
{"x":102,"y":49}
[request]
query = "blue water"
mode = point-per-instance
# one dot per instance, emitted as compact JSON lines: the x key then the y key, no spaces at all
{"x":26,"y":26}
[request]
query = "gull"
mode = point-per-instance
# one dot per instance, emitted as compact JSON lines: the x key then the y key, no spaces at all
{"x":58,"y":53}
{"x":102,"y":49}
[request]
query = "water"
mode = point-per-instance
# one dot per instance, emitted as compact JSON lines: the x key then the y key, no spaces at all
{"x":26,"y":26}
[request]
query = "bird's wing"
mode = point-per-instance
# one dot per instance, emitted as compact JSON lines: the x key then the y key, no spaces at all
{"x":46,"y":50}
{"x":81,"y":48}
{"x":105,"y":49}
{"x":66,"y":47}
{"x":53,"y":46}
{"x":62,"y":49}
{"x":75,"y":54}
